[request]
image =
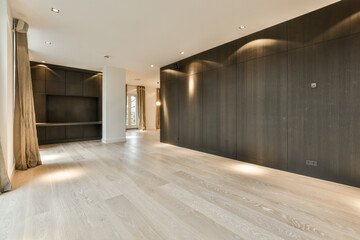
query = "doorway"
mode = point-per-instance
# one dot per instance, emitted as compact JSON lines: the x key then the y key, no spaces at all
{"x":131,"y":111}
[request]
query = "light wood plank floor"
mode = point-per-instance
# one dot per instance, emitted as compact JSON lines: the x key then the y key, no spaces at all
{"x":143,"y":189}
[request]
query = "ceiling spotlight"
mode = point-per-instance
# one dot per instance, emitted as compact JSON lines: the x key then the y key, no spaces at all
{"x":106,"y":56}
{"x":152,"y":65}
{"x":242,"y":27}
{"x":158,"y":103}
{"x":55,"y":10}
{"x":47,"y":42}
{"x":182,"y":53}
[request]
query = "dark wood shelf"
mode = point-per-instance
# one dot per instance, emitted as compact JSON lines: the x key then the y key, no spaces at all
{"x":68,"y":124}
{"x":61,"y":95}
{"x":71,"y":140}
{"x":68,"y":103}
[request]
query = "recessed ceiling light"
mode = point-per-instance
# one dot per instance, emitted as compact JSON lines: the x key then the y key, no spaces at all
{"x":106,"y":56}
{"x":242,"y":27}
{"x":182,"y":53}
{"x":47,"y":42}
{"x":152,"y":65}
{"x":55,"y":10}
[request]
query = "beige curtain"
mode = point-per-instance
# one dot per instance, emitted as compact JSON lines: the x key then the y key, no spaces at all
{"x":157,"y":109}
{"x":5,"y":184}
{"x":26,"y":148}
{"x":141,"y":107}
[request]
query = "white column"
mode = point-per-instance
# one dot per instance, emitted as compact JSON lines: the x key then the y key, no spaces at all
{"x":114,"y":129}
{"x":6,"y":85}
{"x":150,"y":105}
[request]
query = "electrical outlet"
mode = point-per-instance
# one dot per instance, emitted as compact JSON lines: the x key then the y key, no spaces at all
{"x":311,"y":163}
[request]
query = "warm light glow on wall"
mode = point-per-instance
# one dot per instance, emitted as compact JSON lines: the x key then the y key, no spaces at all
{"x":42,"y":65}
{"x":194,"y":67}
{"x":263,"y":42}
{"x":191,"y":86}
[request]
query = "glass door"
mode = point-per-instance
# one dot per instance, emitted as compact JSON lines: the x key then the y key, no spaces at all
{"x":131,"y":111}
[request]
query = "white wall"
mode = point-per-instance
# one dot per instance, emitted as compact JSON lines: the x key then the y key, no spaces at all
{"x":114,"y":129}
{"x":6,"y":85}
{"x":150,"y":107}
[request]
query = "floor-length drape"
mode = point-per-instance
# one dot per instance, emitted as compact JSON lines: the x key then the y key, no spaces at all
{"x":5,"y":184}
{"x":157,"y":108}
{"x":26,"y":148}
{"x":141,"y":107}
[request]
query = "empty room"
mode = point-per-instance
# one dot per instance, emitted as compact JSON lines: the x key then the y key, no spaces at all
{"x":192,"y":119}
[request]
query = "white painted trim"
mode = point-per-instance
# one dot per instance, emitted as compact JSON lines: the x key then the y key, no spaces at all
{"x":113,"y":140}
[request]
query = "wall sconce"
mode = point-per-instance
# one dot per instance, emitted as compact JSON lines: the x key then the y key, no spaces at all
{"x":176,"y":67}
{"x":158,"y":103}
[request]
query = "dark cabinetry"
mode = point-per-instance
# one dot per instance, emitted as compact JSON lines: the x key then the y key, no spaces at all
{"x":170,"y":109}
{"x":190,"y":111}
{"x":219,"y":111}
{"x":323,"y":121}
{"x":67,"y":103}
{"x":262,"y":111}
{"x":252,"y":100}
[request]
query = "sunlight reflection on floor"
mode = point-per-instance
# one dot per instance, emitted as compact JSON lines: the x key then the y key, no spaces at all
{"x":50,"y":157}
{"x":62,"y":175}
{"x":248,"y":169}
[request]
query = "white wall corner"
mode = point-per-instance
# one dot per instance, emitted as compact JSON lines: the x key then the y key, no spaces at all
{"x":150,"y":107}
{"x":114,"y":84}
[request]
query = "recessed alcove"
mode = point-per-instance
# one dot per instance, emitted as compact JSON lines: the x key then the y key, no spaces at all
{"x":67,"y":103}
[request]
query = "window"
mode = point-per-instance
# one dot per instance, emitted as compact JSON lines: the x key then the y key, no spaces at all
{"x":131,"y":111}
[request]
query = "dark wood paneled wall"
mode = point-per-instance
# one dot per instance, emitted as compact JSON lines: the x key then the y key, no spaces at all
{"x":252,"y":100}
{"x":64,"y":96}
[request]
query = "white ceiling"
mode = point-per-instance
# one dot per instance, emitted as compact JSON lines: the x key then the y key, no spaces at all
{"x":138,"y":33}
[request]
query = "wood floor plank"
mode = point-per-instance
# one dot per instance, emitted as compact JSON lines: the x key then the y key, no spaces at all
{"x":270,"y":193}
{"x":166,"y":221}
{"x":144,"y":189}
{"x":136,"y":222}
{"x":226,"y":219}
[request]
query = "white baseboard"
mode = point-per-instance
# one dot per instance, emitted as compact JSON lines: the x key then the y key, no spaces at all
{"x":113,"y":140}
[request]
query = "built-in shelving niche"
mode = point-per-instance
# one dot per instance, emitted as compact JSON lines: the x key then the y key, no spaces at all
{"x":67,"y":103}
